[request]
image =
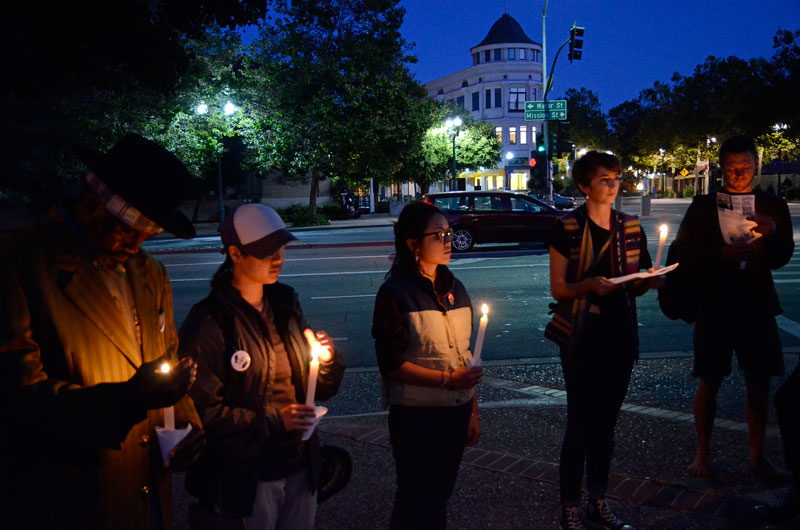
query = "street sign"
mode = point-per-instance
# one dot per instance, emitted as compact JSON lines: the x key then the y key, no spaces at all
{"x":535,"y":110}
{"x":684,"y":172}
{"x":556,"y":104}
{"x":531,"y":115}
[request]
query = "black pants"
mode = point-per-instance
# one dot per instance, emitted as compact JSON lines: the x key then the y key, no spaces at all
{"x":427,"y":445}
{"x":787,"y":405}
{"x":597,"y":376}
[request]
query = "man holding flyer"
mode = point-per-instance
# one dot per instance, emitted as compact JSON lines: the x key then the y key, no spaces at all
{"x":732,"y":239}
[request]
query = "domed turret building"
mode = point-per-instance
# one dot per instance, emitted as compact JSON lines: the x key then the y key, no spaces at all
{"x":506,"y":71}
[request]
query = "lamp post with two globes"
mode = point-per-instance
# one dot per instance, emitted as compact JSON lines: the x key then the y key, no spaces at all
{"x":453,"y":127}
{"x":228,"y":109}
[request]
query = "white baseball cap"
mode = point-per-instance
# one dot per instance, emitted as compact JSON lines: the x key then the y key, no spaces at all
{"x":256,"y":229}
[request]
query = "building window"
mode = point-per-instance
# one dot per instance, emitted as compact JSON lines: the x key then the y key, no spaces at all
{"x":487,"y":56}
{"x":534,"y":93}
{"x":488,"y":103}
{"x":460,"y":102}
{"x":498,"y":98}
{"x":476,"y":101}
{"x":498,"y":133}
{"x":516,"y":99}
{"x":498,"y":54}
{"x":522,"y":54}
{"x":523,"y":134}
{"x":512,"y":136}
{"x":536,"y":56}
{"x":511,"y":54}
{"x":476,"y":58}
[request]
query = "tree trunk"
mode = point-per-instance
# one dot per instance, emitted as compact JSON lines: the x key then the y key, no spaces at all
{"x":312,"y":198}
{"x":197,"y":204}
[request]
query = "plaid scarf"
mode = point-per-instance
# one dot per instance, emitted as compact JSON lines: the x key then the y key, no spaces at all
{"x":624,"y":245}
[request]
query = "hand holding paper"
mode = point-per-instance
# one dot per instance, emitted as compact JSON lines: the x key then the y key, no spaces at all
{"x":639,"y":275}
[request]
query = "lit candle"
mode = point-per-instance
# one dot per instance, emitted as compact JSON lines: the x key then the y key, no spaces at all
{"x":313,"y":369}
{"x":662,"y":238}
{"x":476,"y":356}
{"x":169,"y":412}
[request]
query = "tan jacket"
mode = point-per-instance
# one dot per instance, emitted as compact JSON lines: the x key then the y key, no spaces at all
{"x":80,"y":455}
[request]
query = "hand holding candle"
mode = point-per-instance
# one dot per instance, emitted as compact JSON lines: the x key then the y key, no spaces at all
{"x":169,"y":412}
{"x":662,"y":238}
{"x":320,"y":350}
{"x":476,"y":355}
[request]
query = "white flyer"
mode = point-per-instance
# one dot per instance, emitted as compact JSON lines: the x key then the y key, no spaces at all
{"x":733,"y":211}
{"x":643,"y":274}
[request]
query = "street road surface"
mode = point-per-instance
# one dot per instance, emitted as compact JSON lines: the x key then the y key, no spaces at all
{"x":337,"y":287}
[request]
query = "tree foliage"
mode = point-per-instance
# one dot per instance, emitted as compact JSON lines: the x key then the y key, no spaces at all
{"x":337,"y":71}
{"x":722,"y":97}
{"x":85,"y":72}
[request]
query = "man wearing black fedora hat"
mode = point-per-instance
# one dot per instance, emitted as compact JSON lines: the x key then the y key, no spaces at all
{"x":86,"y":324}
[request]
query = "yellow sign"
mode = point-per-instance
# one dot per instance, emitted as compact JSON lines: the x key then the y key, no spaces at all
{"x":684,"y":172}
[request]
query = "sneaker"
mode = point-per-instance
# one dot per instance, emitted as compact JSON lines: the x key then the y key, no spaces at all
{"x":598,"y":512}
{"x":571,"y":519}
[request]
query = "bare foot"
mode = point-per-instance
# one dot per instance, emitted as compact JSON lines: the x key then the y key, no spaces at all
{"x":699,"y":468}
{"x":763,"y":468}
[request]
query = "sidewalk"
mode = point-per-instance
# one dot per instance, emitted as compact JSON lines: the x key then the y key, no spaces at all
{"x":510,"y":479}
{"x":365,"y":221}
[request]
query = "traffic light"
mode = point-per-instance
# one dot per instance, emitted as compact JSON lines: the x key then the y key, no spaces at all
{"x":538,"y":162}
{"x":563,"y":142}
{"x":575,"y":43}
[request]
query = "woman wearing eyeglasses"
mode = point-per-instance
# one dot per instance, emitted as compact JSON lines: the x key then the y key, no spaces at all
{"x":422,"y":325}
{"x":595,"y":324}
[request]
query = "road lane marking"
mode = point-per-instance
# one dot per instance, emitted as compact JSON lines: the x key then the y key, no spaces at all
{"x":383,"y":271}
{"x":787,"y":281}
{"x":788,"y":325}
{"x":343,"y":296}
{"x":285,"y":261}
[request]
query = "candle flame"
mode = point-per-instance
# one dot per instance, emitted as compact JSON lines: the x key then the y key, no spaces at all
{"x":485,"y":309}
{"x":663,"y":229}
{"x":164,"y":368}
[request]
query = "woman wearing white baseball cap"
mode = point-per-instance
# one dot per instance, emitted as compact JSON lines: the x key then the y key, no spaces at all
{"x":247,"y":339}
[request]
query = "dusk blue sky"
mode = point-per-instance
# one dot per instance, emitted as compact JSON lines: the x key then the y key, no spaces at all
{"x":628,"y":44}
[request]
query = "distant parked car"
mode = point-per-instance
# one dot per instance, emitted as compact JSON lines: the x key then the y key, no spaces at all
{"x":494,"y":217}
{"x":559,"y":201}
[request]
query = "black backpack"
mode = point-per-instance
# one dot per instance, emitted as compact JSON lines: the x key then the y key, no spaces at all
{"x":679,"y":297}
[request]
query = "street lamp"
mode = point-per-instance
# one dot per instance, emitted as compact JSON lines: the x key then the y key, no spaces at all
{"x":453,"y":127}
{"x":228,"y":109}
{"x":663,"y":171}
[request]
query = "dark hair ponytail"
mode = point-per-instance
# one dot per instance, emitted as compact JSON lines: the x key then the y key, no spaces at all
{"x":411,"y":224}
{"x":224,"y":273}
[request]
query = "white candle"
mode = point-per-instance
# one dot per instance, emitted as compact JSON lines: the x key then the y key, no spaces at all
{"x":662,"y":238}
{"x":313,"y":369}
{"x":476,"y":356}
{"x":169,"y":412}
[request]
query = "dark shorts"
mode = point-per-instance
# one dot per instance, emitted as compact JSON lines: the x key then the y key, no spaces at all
{"x":754,"y":339}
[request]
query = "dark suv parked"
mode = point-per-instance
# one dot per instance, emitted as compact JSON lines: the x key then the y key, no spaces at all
{"x":494,"y":217}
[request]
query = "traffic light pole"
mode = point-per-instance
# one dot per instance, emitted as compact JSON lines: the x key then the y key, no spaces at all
{"x":545,"y":133}
{"x":545,"y":128}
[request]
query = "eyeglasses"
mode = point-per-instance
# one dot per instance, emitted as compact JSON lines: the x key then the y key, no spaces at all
{"x":443,"y":235}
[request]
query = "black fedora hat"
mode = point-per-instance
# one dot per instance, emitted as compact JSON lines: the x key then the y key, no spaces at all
{"x":148,"y":177}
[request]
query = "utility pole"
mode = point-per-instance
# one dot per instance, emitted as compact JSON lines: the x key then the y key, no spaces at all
{"x":545,"y":131}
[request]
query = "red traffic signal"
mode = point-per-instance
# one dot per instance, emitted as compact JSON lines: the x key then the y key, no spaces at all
{"x":532,"y":162}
